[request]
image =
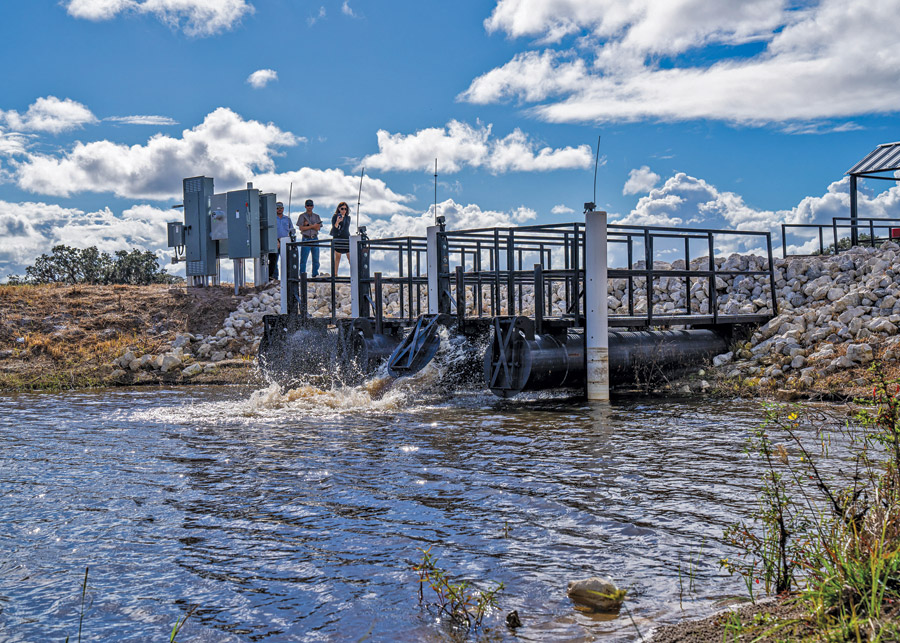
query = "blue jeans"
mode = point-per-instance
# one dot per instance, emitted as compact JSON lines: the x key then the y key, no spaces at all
{"x":305,"y":251}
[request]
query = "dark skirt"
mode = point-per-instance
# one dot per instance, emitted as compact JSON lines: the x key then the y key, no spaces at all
{"x":341,"y":245}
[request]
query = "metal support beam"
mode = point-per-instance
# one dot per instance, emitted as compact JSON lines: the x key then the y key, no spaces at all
{"x":438,"y":259}
{"x":596,"y":306}
{"x":854,"y":233}
{"x":359,"y":277}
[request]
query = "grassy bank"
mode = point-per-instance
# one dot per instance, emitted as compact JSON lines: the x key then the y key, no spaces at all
{"x":56,"y":337}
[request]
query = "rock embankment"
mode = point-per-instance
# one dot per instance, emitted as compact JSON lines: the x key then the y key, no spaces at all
{"x":836,"y":313}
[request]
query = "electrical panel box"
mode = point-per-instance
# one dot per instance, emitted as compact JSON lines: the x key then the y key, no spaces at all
{"x":268,"y":224}
{"x":200,"y":248}
{"x":242,"y":212}
{"x":218,"y":220}
{"x":175,"y":231}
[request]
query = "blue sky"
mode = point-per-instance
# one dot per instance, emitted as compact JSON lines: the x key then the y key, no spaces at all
{"x":715,"y":114}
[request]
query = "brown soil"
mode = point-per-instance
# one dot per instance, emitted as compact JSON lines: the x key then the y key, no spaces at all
{"x":57,"y":336}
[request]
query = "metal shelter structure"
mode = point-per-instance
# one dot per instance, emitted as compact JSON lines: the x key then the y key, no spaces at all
{"x":884,"y":158}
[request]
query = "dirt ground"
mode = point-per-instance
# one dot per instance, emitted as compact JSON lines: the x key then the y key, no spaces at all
{"x":57,"y":336}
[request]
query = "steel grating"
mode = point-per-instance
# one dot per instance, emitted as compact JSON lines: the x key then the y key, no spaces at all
{"x":884,"y":158}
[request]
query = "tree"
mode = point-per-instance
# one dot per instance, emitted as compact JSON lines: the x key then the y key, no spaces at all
{"x":90,"y":266}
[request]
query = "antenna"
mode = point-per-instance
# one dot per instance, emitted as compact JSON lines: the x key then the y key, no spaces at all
{"x":290,"y":194}
{"x":358,"y":197}
{"x":435,"y":191}
{"x":589,"y":207}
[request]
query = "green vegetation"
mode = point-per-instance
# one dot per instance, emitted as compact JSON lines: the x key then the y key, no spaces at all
{"x":830,"y":540}
{"x":459,"y":601}
{"x":66,"y":265}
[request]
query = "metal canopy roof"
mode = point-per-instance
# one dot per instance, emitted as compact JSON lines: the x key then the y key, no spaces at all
{"x":884,"y":158}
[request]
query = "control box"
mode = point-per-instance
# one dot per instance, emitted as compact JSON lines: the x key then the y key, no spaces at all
{"x":242,"y":214}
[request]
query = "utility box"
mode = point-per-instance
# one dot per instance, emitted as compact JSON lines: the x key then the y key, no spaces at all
{"x":242,"y":212}
{"x":218,"y":220}
{"x":175,"y":230}
{"x":200,"y":248}
{"x":268,"y":225}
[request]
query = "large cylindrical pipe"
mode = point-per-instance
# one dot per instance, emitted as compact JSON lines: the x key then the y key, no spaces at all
{"x":548,"y":362}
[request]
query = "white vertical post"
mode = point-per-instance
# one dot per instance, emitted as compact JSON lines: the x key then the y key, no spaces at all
{"x":596,"y":306}
{"x":354,"y":275}
{"x":433,"y":266}
{"x":283,"y":271}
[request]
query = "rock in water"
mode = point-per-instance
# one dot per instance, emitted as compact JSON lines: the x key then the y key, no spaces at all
{"x":598,"y":593}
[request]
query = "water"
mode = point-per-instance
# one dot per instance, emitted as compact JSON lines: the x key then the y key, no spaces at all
{"x":297,"y":517}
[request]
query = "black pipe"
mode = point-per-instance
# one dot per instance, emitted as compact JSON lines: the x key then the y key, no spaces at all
{"x":551,"y":361}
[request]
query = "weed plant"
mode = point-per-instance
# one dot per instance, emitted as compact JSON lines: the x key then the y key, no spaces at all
{"x":829,"y":538}
{"x":463,"y":604}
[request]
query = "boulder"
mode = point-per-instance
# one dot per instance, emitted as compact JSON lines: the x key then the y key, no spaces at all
{"x":599,"y":594}
{"x":859,"y":353}
{"x":192,"y":370}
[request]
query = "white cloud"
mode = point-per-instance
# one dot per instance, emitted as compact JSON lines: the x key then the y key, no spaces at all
{"x":460,"y":144}
{"x":319,"y":16}
{"x":347,"y":10}
{"x":49,"y":114}
{"x":262,"y":77}
{"x":688,"y":201}
{"x":457,"y":216}
{"x":139,"y":119}
{"x":30,"y":229}
{"x":561,"y":209}
{"x":647,"y":59}
{"x":640,"y":180}
{"x":328,"y":188}
{"x":194,"y":17}
{"x":223,"y":146}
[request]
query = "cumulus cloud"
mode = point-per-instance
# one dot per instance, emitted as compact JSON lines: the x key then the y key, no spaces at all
{"x":139,"y":119}
{"x":328,"y":188}
{"x":640,"y":180}
{"x":30,"y":229}
{"x":49,"y":114}
{"x":194,"y":17}
{"x":561,"y":209}
{"x":459,"y":144}
{"x":458,"y":217}
{"x":224,"y":146}
{"x":347,"y":10}
{"x":685,"y":200}
{"x":262,"y":77}
{"x":774,"y":60}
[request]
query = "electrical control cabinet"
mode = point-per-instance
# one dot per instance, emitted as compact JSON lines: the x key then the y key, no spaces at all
{"x":242,"y":212}
{"x":200,"y":248}
{"x":175,"y":230}
{"x":268,"y":226}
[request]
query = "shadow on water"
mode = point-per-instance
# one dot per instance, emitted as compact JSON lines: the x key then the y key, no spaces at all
{"x":295,"y":514}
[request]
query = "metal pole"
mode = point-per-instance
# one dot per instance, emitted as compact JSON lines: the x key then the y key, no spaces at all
{"x":283,"y":257}
{"x":596,"y":306}
{"x":854,"y":233}
{"x":433,"y":267}
{"x":355,"y":303}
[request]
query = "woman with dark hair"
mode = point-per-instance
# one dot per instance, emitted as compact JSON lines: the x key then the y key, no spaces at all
{"x":340,"y":233}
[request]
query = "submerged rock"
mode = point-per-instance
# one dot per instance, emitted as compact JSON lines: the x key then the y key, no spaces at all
{"x":597,"y":593}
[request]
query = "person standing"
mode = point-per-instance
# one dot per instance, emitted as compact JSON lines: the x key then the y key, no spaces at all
{"x":340,"y":232}
{"x":284,"y":228}
{"x":309,"y":223}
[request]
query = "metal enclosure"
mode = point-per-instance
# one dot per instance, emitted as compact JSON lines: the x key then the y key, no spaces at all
{"x":242,"y":211}
{"x":268,"y":239}
{"x":175,"y":230}
{"x":200,"y":249}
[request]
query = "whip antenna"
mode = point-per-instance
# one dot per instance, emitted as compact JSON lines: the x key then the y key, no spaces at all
{"x":596,"y":162}
{"x":435,"y":191}
{"x":358,"y":197}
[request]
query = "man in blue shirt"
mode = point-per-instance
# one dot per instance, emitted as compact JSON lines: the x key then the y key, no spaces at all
{"x":284,"y":228}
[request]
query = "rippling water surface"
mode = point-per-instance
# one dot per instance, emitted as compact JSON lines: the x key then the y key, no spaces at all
{"x":297,"y":516}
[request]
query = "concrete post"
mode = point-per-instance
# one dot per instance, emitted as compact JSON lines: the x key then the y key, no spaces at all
{"x":596,"y":306}
{"x":283,"y":271}
{"x":433,"y":267}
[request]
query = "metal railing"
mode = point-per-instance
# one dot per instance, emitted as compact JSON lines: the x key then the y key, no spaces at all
{"x":871,"y":225}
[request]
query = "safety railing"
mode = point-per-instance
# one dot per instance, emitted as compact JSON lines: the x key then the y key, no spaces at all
{"x":870,"y":231}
